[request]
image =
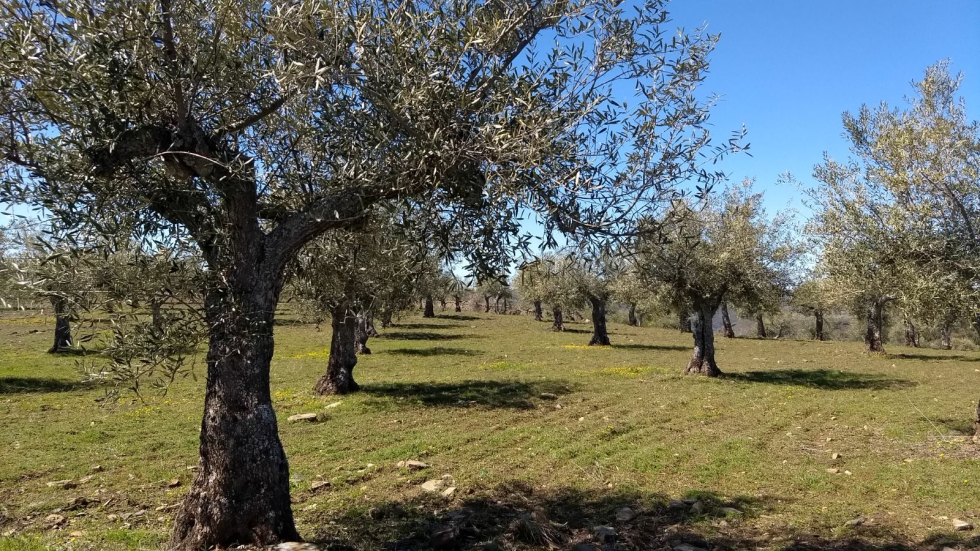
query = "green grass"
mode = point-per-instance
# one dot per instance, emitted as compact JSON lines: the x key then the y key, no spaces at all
{"x":464,"y":394}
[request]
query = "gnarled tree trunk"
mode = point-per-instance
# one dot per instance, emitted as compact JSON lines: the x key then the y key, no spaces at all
{"x":911,"y":334}
{"x":946,"y":335}
{"x":339,"y":378}
{"x":599,"y":335}
{"x":442,"y":304}
{"x":62,"y":324}
{"x":684,"y":321}
{"x":559,"y":324}
{"x":361,"y":335}
{"x":156,"y":316}
{"x":631,"y":315}
{"x":726,"y":321}
{"x":818,"y":327}
{"x":371,"y":330}
{"x":538,"y":314}
{"x":487,"y":309}
{"x":429,"y":311}
{"x":760,"y":327}
{"x":703,"y":360}
{"x":459,"y":306}
{"x":240,"y":492}
{"x":872,"y":337}
{"x":386,"y":315}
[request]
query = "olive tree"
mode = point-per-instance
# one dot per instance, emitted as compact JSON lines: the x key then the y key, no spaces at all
{"x":707,"y":250}
{"x":896,"y":222}
{"x":253,"y":128}
{"x":812,"y":297}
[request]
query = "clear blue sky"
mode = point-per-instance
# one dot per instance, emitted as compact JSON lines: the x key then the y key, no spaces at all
{"x":788,"y":69}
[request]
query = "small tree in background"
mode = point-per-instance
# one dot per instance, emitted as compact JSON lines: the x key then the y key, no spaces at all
{"x":812,"y":297}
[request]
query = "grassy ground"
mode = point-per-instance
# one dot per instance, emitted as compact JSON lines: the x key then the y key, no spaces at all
{"x":545,"y":439}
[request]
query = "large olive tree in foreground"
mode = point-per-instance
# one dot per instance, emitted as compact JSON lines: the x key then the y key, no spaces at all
{"x":255,"y":127}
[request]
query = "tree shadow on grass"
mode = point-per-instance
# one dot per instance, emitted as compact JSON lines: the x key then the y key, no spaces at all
{"x":487,"y":394}
{"x":938,"y":357}
{"x":424,"y":336}
{"x":826,"y":379}
{"x":423,"y":326}
{"x":652,"y":347}
{"x":514,"y":515}
{"x":958,"y":426}
{"x":18,"y":385}
{"x":458,"y":317}
{"x":437,"y":351}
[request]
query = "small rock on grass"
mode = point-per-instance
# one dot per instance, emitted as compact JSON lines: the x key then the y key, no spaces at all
{"x":412,"y":465}
{"x":318,"y":484}
{"x":605,"y":534}
{"x":63,"y":484}
{"x":439,"y":484}
{"x":698,"y":507}
{"x":855,"y":522}
{"x":730,"y":511}
{"x":302,"y":417}
{"x":548,"y":396}
{"x":676,"y":504}
{"x":625,"y":514}
{"x":54,"y":521}
{"x":833,"y":471}
{"x":961,"y":525}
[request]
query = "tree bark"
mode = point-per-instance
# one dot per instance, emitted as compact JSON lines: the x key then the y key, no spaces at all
{"x":559,"y":324}
{"x":631,"y":315}
{"x":760,"y":327}
{"x":487,"y":309}
{"x":62,"y":325}
{"x":726,"y":320}
{"x":818,"y":328}
{"x":339,"y":378}
{"x":872,"y":337}
{"x":976,"y":423}
{"x":371,"y":330}
{"x":459,"y":307}
{"x":945,"y":335}
{"x":684,"y":321}
{"x":241,"y":490}
{"x":703,"y":360}
{"x":538,"y":314}
{"x":386,"y":315}
{"x":156,"y":316}
{"x":599,"y":335}
{"x":442,"y":304}
{"x":429,"y":310}
{"x":911,"y":334}
{"x":361,"y":335}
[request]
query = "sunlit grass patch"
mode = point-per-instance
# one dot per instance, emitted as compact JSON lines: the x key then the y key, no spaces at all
{"x":322,"y":353}
{"x":587,"y":346}
{"x":505,"y":366}
{"x":630,"y":372}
